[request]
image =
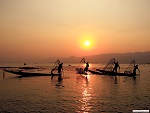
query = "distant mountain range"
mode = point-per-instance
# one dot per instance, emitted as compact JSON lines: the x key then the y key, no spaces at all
{"x":139,"y":57}
{"x":123,"y":58}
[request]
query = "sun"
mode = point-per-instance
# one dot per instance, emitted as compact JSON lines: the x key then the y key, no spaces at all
{"x":87,"y":43}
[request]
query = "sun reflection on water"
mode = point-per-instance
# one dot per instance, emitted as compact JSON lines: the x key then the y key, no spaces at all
{"x":85,"y":104}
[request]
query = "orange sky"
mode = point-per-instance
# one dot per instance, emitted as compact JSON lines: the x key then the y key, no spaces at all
{"x":58,"y":28}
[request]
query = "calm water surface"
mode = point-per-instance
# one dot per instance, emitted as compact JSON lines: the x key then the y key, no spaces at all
{"x":94,"y":94}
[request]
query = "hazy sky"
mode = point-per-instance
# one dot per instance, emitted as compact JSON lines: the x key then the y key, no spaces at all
{"x":47,"y":28}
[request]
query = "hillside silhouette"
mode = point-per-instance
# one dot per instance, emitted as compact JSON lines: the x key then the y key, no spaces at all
{"x":124,"y":58}
{"x":139,"y":57}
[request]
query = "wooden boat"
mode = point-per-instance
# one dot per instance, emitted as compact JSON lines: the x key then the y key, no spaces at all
{"x":81,"y":68}
{"x":108,"y":70}
{"x":102,"y":72}
{"x":27,"y":74}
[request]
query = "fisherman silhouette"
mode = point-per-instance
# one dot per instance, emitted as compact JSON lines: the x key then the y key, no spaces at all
{"x":60,"y":71}
{"x":86,"y":67}
{"x":134,"y":70}
{"x":116,"y":66}
{"x":79,"y":70}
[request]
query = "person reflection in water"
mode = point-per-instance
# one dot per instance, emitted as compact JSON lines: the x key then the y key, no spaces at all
{"x":134,"y":70}
{"x":116,"y":66}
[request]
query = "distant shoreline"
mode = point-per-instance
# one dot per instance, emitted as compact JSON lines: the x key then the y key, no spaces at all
{"x":20,"y":67}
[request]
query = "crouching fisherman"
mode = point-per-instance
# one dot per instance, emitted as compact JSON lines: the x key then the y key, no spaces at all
{"x":80,"y":71}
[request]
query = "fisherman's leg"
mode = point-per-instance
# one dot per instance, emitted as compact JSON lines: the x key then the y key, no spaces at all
{"x":60,"y":76}
{"x":52,"y":77}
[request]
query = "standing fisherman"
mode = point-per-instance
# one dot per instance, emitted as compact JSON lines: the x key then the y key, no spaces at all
{"x":116,"y":66}
{"x":134,"y":70}
{"x":60,"y":71}
{"x":86,"y":67}
{"x":59,"y":68}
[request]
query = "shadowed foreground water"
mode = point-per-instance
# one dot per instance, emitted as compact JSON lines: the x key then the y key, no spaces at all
{"x":94,"y":94}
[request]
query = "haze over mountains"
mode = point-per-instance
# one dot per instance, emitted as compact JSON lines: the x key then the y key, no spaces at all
{"x":139,"y":57}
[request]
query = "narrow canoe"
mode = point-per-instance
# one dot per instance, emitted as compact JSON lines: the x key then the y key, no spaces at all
{"x":27,"y":74}
{"x":102,"y":72}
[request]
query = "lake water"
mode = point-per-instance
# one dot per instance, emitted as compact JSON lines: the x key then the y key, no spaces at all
{"x":75,"y":94}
